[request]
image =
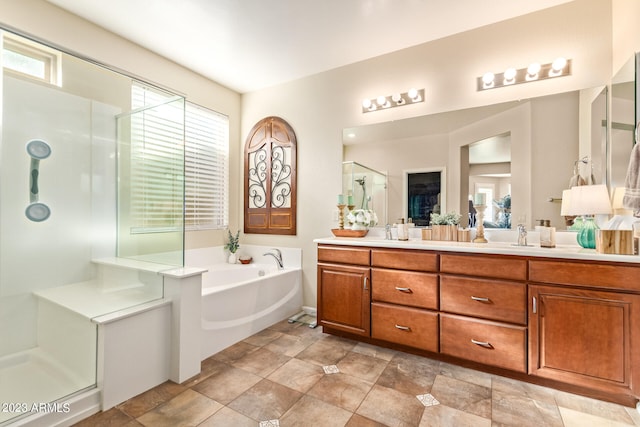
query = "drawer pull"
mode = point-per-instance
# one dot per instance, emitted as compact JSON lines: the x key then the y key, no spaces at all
{"x":403,"y":328}
{"x":408,"y":290}
{"x":480,"y":299}
{"x":482,"y":343}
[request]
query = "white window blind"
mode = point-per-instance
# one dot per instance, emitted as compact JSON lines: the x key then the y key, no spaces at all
{"x":158,"y":195}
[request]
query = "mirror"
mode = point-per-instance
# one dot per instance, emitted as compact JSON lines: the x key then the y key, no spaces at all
{"x":543,"y":133}
{"x":622,"y":124}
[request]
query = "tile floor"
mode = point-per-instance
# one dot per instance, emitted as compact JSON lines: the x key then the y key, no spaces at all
{"x":291,"y":375}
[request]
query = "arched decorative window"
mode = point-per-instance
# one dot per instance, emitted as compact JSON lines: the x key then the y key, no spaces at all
{"x":270,"y":178}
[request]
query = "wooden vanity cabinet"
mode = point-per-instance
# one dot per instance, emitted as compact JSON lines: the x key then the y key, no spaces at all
{"x":405,"y":298}
{"x":344,"y":289}
{"x":581,"y":335}
{"x":483,"y":316}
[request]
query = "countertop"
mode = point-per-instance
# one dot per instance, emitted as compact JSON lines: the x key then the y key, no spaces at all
{"x":565,"y":251}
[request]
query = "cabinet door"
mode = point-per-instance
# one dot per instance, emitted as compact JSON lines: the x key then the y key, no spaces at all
{"x":584,"y":337}
{"x":344,"y":298}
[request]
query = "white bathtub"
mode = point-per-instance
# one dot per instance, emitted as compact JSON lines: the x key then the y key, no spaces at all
{"x":241,"y":300}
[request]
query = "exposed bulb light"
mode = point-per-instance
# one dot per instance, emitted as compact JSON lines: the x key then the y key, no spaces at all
{"x":558,"y":64}
{"x":398,"y":99}
{"x":382,"y":101}
{"x":535,"y":71}
{"x":488,"y":79}
{"x":509,"y":76}
{"x":532,"y":71}
{"x":394,"y":100}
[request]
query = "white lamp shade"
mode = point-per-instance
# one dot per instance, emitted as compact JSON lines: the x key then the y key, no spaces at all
{"x":565,"y":208}
{"x":590,"y":200}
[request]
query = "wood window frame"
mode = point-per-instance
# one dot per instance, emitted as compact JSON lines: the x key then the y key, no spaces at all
{"x":268,"y":136}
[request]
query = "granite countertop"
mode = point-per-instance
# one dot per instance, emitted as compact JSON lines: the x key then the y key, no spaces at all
{"x":500,"y":244}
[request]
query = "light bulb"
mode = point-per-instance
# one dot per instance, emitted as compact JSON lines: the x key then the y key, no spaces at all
{"x":487,"y":79}
{"x":509,"y":75}
{"x":534,"y":69}
{"x":366,"y":103}
{"x":382,"y":101}
{"x":558,"y":64}
{"x":413,"y":93}
{"x":397,"y":98}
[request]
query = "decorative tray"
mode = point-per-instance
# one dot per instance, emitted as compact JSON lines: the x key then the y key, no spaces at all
{"x":348,"y":233}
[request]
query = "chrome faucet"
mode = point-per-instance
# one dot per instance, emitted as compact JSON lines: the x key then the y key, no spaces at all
{"x":522,"y":235}
{"x":275,"y":253}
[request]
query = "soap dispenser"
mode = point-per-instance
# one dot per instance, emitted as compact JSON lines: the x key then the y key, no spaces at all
{"x":403,"y":230}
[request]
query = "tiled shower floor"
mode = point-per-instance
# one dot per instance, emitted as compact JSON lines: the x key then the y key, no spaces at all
{"x":291,"y":375}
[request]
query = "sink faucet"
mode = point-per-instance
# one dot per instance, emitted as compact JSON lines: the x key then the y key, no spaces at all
{"x":275,"y":253}
{"x":522,"y":235}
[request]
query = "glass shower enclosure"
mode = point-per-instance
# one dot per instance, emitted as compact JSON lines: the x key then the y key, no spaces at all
{"x":81,"y":181}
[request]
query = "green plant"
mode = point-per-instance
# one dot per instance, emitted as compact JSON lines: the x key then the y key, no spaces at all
{"x":233,"y":242}
{"x":450,"y":218}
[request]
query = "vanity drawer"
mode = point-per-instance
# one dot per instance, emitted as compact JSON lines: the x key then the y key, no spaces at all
{"x":490,"y":299}
{"x":499,"y":267}
{"x":344,"y":254}
{"x":585,"y":274}
{"x":404,"y":325}
{"x":405,"y":287}
{"x":482,"y":341}
{"x":404,"y":259}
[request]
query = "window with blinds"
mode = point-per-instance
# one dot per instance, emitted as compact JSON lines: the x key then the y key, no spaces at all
{"x":167,"y":181}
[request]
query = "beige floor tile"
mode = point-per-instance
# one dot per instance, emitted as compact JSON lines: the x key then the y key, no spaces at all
{"x":263,"y":337}
{"x":391,"y":407}
{"x":595,"y":407}
{"x":374,"y":351}
{"x":573,"y":418}
{"x":462,"y":395}
{"x":148,"y":400}
{"x":227,"y":417}
{"x":341,"y":390}
{"x":360,"y":421}
{"x":111,"y":418}
{"x":467,"y":375}
{"x":309,"y":411}
{"x":409,"y":374}
{"x":290,"y":345}
{"x":325,"y":352}
{"x":265,"y":401}
{"x":234,"y":352}
{"x":227,"y":384}
{"x":261,"y":362}
{"x":297,"y":374}
{"x":518,"y":388}
{"x":441,"y":416}
{"x":515,"y":409}
{"x":189,"y":408}
{"x":362,"y":366}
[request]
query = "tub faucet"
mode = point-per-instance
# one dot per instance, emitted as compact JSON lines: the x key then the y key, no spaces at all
{"x":522,"y":235}
{"x":277,"y":255}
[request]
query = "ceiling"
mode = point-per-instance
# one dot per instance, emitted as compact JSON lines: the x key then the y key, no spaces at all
{"x":248,"y":45}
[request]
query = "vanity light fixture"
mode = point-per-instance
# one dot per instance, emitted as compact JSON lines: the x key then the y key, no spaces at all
{"x":535,"y":71}
{"x":412,"y":96}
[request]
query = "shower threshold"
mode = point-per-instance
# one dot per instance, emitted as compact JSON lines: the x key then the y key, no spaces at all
{"x":30,"y":380}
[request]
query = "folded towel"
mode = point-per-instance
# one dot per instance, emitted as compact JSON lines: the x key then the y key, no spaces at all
{"x":631,"y":198}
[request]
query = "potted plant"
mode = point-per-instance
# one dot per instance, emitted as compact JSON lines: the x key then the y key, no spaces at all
{"x":232,"y":245}
{"x":445,"y":226}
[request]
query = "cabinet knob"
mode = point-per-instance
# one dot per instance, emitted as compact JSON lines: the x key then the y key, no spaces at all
{"x":482,"y":343}
{"x":408,"y":290}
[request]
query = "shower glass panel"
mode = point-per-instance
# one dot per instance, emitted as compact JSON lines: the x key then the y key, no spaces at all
{"x":59,"y":220}
{"x":151,"y":183}
{"x":367,"y":188}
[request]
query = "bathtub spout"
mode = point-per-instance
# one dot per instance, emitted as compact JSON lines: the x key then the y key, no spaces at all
{"x":277,"y":255}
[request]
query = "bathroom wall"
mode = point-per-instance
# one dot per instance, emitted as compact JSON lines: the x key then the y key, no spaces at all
{"x":320,"y":106}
